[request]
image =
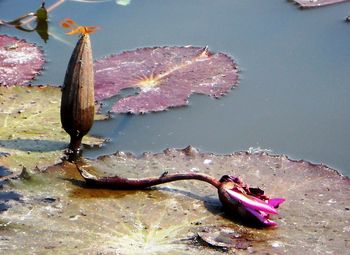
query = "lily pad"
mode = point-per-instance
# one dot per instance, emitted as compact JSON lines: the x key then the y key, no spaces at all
{"x":317,"y":3}
{"x":166,"y":77}
{"x":59,"y":213}
{"x":30,"y":128}
{"x":20,"y":61}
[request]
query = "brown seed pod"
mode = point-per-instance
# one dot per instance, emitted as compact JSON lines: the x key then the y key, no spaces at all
{"x":77,"y":105}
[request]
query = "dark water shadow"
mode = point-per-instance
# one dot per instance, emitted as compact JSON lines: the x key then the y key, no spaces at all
{"x":5,"y":197}
{"x":4,"y":171}
{"x":33,"y":145}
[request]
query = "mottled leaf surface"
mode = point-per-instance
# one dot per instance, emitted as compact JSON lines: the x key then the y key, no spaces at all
{"x":166,"y":77}
{"x":60,"y":215}
{"x":30,"y":127}
{"x":317,"y":3}
{"x":20,"y":61}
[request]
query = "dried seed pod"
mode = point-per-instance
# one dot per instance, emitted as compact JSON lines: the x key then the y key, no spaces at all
{"x":77,"y":105}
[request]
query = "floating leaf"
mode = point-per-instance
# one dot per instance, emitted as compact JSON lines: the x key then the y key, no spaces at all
{"x":316,"y":3}
{"x":19,"y":61}
{"x":30,"y":127}
{"x":166,"y":77}
{"x":59,"y":214}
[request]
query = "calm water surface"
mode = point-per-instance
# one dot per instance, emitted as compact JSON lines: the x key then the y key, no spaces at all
{"x":294,"y":90}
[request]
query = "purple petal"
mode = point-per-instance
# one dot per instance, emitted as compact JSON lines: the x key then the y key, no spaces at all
{"x":275,"y":202}
{"x":252,"y":202}
{"x":263,"y":218}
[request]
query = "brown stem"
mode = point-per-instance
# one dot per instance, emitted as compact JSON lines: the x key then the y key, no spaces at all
{"x":117,"y":182}
{"x":75,"y":143}
{"x":73,"y":151}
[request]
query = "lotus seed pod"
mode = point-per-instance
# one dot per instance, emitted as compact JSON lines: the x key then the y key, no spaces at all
{"x":77,"y":105}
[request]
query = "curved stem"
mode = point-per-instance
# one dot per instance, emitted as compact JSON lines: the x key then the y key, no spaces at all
{"x":125,"y":183}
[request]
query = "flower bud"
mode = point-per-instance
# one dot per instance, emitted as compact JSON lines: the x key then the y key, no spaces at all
{"x":77,"y":104}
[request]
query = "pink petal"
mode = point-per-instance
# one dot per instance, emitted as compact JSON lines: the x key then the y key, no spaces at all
{"x":275,"y":202}
{"x":262,"y":218}
{"x":253,"y":203}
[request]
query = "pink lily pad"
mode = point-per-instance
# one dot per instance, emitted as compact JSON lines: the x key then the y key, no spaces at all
{"x":166,"y":77}
{"x":316,"y":3}
{"x":20,"y":61}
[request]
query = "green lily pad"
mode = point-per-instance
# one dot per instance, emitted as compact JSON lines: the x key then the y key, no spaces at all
{"x":30,"y":128}
{"x":60,"y":214}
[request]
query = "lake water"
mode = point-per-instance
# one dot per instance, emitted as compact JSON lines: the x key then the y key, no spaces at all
{"x":294,"y":89}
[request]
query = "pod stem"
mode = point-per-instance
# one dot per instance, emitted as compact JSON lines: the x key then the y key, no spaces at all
{"x":74,"y":150}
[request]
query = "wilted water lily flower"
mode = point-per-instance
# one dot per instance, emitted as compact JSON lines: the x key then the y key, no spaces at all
{"x":249,"y":203}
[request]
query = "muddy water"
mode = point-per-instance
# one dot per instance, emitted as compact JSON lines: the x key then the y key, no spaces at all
{"x":294,"y":90}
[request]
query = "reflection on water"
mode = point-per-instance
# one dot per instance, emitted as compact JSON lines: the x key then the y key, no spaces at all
{"x":25,"y":22}
{"x":294,"y":88}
